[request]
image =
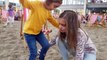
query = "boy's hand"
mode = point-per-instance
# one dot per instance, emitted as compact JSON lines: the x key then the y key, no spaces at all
{"x":46,"y":31}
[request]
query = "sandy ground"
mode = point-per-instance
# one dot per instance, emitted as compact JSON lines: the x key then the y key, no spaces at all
{"x":11,"y":46}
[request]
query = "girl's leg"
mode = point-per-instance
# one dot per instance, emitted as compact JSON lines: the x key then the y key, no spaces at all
{"x":31,"y":42}
{"x":11,"y":21}
{"x":45,"y":45}
{"x":6,"y":22}
{"x":89,"y":56}
{"x":62,"y":50}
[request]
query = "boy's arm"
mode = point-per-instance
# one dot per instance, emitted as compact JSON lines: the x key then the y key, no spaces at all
{"x":53,"y":21}
{"x":28,"y":4}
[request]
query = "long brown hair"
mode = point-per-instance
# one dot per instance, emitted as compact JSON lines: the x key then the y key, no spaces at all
{"x":48,"y":2}
{"x":72,"y":25}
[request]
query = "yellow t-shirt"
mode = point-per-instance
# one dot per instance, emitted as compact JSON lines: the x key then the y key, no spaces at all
{"x":37,"y":18}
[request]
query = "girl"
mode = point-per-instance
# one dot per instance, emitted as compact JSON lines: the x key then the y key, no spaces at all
{"x":40,"y":13}
{"x":73,"y":40}
{"x":5,"y":16}
{"x":0,"y":14}
{"x":11,"y":14}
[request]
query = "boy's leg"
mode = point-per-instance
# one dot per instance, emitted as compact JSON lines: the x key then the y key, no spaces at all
{"x":31,"y":42}
{"x":51,"y":42}
{"x":45,"y":45}
{"x":62,"y":49}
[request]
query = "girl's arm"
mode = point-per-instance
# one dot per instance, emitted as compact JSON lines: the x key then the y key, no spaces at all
{"x":53,"y":41}
{"x":82,"y":38}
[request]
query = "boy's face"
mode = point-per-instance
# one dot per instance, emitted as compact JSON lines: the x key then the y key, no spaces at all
{"x":52,"y":6}
{"x":62,"y":25}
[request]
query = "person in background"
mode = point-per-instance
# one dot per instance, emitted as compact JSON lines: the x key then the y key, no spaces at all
{"x":11,"y":14}
{"x":4,"y":16}
{"x":0,"y":14}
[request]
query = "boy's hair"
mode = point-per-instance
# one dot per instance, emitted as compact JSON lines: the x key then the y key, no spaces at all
{"x":72,"y":24}
{"x":10,"y":5}
{"x":48,"y":2}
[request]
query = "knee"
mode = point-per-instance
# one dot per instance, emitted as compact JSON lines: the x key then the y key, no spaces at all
{"x":46,"y":46}
{"x":33,"y":55}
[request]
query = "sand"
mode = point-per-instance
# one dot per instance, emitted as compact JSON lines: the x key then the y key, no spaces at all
{"x":12,"y":48}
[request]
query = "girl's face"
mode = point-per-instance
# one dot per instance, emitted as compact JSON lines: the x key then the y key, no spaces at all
{"x":62,"y":25}
{"x":52,"y":6}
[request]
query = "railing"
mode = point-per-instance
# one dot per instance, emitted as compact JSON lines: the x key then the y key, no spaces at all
{"x":72,"y":6}
{"x":81,"y":6}
{"x":97,"y":5}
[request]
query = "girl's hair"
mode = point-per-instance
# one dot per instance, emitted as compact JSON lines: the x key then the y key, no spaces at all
{"x":48,"y":2}
{"x":72,"y":25}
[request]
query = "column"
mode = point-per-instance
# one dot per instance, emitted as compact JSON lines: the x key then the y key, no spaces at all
{"x":6,"y":4}
{"x":85,"y":4}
